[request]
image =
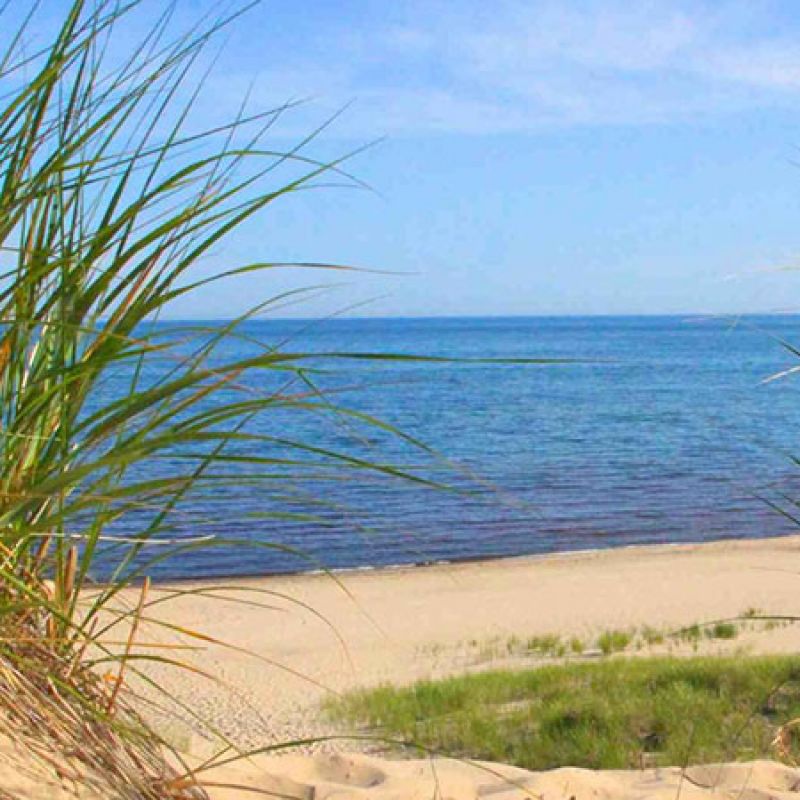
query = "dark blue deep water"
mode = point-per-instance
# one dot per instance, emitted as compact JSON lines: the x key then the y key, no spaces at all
{"x":666,"y":432}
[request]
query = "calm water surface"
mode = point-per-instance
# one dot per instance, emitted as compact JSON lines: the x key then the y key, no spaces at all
{"x":667,"y":433}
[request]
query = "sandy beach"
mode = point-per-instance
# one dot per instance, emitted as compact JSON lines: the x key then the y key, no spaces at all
{"x":295,"y":640}
{"x":359,"y":778}
{"x":292,"y":641}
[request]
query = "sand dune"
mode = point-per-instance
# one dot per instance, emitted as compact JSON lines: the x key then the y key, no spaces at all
{"x":349,"y":777}
{"x":359,"y":777}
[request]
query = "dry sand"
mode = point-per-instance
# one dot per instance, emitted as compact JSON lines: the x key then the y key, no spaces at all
{"x":325,"y":777}
{"x":359,"y":777}
{"x":322,"y":635}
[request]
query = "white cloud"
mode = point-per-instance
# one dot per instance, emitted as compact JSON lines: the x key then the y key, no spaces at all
{"x":636,"y":37}
{"x":770,"y":65}
{"x":521,"y":66}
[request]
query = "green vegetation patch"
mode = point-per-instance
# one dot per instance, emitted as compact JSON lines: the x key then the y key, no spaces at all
{"x":613,"y":641}
{"x":607,"y":714}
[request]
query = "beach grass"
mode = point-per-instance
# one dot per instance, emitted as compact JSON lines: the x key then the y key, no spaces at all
{"x":618,"y":713}
{"x":644,"y":638}
{"x":111,"y":205}
{"x":114,"y":206}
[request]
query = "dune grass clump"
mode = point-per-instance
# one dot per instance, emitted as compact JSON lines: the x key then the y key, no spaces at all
{"x":109,"y":201}
{"x":613,"y":641}
{"x":63,"y":724}
{"x":724,"y":630}
{"x":549,"y":644}
{"x":615,"y":714}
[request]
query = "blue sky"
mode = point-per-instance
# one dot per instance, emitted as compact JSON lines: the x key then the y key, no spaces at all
{"x":536,"y":157}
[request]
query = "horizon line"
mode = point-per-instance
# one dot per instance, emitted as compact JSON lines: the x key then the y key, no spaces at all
{"x":595,"y":315}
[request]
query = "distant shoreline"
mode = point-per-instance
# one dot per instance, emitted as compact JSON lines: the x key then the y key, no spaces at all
{"x":720,"y":315}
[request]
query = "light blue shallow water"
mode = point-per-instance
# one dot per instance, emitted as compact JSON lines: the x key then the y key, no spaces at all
{"x":666,"y":434}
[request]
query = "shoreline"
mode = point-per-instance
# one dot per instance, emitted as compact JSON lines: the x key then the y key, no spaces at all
{"x":411,"y":567}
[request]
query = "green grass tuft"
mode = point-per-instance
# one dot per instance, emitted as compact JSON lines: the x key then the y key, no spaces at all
{"x":548,"y":644}
{"x":723,"y":630}
{"x":606,"y":714}
{"x":613,"y":641}
{"x":576,"y":646}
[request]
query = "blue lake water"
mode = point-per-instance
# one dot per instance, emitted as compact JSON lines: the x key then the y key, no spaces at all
{"x":665,"y":432}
